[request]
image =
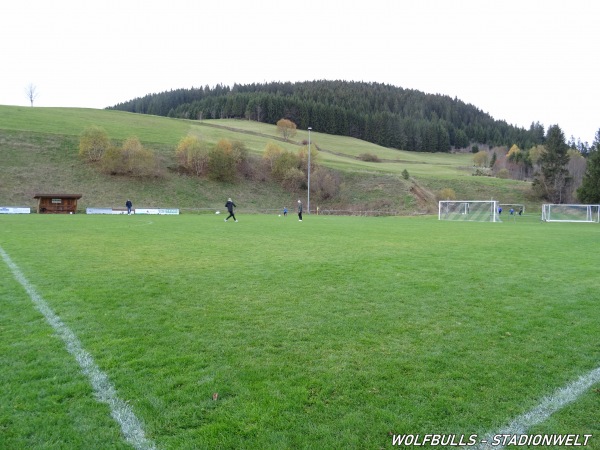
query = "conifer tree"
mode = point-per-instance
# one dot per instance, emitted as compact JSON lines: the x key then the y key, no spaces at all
{"x":589,"y":192}
{"x":553,"y":179}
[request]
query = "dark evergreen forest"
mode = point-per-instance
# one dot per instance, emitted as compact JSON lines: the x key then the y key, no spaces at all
{"x":390,"y":116}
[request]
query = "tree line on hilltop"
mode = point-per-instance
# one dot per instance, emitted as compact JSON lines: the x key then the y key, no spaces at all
{"x":559,"y":172}
{"x":386,"y":115}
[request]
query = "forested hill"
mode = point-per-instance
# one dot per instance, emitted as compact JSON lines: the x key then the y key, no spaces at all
{"x":390,"y":116}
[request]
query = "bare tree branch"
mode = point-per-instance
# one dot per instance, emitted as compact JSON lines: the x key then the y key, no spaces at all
{"x":32,"y":92}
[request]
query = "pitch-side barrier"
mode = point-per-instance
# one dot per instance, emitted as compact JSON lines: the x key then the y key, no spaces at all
{"x":155,"y":211}
{"x":14,"y":210}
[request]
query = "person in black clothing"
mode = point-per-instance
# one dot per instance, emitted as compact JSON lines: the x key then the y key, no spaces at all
{"x":230,"y":205}
{"x":299,"y":210}
{"x":128,"y":205}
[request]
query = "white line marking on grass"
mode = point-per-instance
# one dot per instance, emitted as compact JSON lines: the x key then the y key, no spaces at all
{"x":103,"y":389}
{"x":548,"y":406}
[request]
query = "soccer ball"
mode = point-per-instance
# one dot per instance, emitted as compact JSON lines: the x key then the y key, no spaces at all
{"x":279,"y":215}
{"x":218,"y":212}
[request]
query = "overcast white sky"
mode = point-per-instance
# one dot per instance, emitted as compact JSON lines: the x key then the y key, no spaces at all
{"x":521,"y":61}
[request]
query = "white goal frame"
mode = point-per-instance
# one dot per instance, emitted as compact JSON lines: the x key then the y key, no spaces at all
{"x":561,"y":212}
{"x":469,"y":210}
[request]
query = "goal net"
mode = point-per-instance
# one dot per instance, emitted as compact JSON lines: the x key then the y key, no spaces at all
{"x":570,"y":213}
{"x":469,"y":210}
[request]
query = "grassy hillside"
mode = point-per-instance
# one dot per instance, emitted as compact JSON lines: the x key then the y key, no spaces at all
{"x":38,"y":148}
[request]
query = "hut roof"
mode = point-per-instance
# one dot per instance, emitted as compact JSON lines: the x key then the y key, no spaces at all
{"x":57,"y":196}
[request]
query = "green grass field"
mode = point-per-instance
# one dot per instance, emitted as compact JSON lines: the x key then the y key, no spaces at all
{"x":337,"y":332}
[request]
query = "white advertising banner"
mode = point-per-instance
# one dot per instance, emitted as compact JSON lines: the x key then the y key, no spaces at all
{"x":168,"y":211}
{"x":98,"y":211}
{"x":146,"y":210}
{"x":160,"y":211}
{"x":14,"y":210}
{"x":155,"y":211}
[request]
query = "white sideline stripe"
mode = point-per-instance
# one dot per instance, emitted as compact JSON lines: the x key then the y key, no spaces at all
{"x":103,"y":388}
{"x":548,"y":406}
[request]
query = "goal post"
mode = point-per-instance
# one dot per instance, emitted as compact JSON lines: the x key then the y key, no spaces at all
{"x":552,"y":212}
{"x":469,"y":210}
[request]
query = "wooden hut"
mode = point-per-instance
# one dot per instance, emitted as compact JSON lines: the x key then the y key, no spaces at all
{"x":57,"y":203}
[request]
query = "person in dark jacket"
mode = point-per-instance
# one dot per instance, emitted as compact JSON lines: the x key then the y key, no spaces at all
{"x":128,"y":205}
{"x":299,"y":210}
{"x":230,"y":205}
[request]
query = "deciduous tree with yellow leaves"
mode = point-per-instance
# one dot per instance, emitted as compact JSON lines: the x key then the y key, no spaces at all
{"x":286,"y":128}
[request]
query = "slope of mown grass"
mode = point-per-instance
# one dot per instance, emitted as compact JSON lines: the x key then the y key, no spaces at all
{"x":38,"y":147}
{"x":49,"y":163}
{"x":342,"y":152}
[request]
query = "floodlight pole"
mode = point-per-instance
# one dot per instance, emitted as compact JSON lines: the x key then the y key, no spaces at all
{"x":308,"y":193}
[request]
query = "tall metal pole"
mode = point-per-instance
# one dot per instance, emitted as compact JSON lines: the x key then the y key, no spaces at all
{"x":308,"y":195}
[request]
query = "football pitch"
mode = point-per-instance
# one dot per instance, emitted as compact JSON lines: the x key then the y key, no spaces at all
{"x":175,"y":332}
